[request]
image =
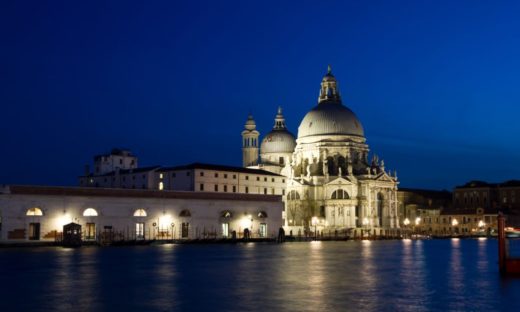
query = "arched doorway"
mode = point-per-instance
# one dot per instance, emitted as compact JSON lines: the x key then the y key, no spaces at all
{"x":34,"y":222}
{"x":90,"y":227}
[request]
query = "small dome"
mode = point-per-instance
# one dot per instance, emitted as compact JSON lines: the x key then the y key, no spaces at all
{"x":278,"y":141}
{"x":250,"y":123}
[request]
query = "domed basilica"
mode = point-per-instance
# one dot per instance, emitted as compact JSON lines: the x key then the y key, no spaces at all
{"x":331,"y":184}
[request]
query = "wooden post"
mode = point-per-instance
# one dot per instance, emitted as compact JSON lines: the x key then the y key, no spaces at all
{"x":501,"y":243}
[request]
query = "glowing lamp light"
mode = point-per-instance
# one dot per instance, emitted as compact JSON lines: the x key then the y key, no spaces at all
{"x":454,"y":222}
{"x":165,"y":221}
{"x":417,"y":221}
{"x":62,"y":220}
{"x":406,"y":221}
{"x":314,"y":221}
{"x":246,"y":222}
{"x":365,"y":221}
{"x":481,"y":224}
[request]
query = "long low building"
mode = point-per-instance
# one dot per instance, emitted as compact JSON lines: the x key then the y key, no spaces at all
{"x":38,"y":213}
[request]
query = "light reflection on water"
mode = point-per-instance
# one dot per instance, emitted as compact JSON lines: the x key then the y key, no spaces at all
{"x":405,"y":275}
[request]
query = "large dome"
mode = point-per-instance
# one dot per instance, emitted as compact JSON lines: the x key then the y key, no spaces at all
{"x":330,"y":117}
{"x":278,"y":141}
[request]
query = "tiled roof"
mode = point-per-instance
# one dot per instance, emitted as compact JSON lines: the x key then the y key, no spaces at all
{"x":111,"y":192}
{"x":219,"y":168}
{"x":476,"y":184}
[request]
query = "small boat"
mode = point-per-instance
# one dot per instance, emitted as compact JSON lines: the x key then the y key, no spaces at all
{"x":512,"y":232}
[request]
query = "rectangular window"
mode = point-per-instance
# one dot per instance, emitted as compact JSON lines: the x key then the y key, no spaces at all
{"x":225,"y":188}
{"x":201,"y":187}
{"x":247,"y":177}
{"x":272,"y":180}
{"x":225,"y":176}
{"x":265,"y":191}
{"x":283,"y":180}
{"x":234,"y":189}
{"x":263,"y":230}
{"x":216,"y":175}
{"x":90,"y":231}
{"x":247,"y":190}
{"x":258,"y":178}
{"x":265,"y":179}
{"x":281,"y":160}
{"x":201,"y":173}
{"x":234,"y":176}
{"x":161,"y":175}
{"x":216,"y":187}
{"x":225,"y":229}
{"x":139,"y":230}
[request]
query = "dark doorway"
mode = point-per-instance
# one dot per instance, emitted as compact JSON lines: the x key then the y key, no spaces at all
{"x":34,"y":231}
{"x":185,"y":229}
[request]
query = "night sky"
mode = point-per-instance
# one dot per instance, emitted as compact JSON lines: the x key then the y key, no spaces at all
{"x":434,"y":83}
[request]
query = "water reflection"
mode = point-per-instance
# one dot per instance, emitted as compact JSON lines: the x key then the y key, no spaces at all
{"x":328,"y":276}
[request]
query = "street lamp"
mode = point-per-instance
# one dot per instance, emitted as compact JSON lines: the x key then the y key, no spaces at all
{"x":454,"y":223}
{"x":406,"y":222}
{"x":417,"y":221}
{"x":315,"y":223}
{"x":365,"y":223}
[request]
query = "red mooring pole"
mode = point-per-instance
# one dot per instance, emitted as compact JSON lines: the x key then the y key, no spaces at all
{"x":501,"y":243}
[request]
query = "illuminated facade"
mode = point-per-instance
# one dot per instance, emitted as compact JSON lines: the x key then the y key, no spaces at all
{"x":33,"y":213}
{"x":330,"y":181}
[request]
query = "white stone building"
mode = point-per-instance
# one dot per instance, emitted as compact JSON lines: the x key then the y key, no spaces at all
{"x":199,"y":177}
{"x":36,"y":213}
{"x":331,"y":184}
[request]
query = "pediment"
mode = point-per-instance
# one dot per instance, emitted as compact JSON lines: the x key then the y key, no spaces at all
{"x":384,"y":177}
{"x":340,"y":181}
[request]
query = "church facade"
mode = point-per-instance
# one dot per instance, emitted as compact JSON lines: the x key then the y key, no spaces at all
{"x":331,"y":184}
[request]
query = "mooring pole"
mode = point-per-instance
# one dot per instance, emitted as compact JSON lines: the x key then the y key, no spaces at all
{"x":501,"y":243}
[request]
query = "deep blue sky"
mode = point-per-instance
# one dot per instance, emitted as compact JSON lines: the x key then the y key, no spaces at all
{"x":434,"y":83}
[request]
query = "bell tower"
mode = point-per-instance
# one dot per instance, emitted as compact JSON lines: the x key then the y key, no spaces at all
{"x":250,"y":143}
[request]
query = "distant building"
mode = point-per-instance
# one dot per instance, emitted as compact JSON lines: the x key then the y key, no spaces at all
{"x":502,"y":197}
{"x":137,"y":178}
{"x":199,"y":177}
{"x":420,"y":203}
{"x":116,"y":159}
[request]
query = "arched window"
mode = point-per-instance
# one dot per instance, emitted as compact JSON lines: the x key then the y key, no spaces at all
{"x":90,"y":212}
{"x":262,"y":214}
{"x":185,"y":213}
{"x":34,"y":212}
{"x":339,"y":194}
{"x":140,"y":213}
{"x":226,"y":214}
{"x":293,"y":195}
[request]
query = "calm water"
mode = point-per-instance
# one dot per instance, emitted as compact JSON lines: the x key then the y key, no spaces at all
{"x":330,"y":276}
